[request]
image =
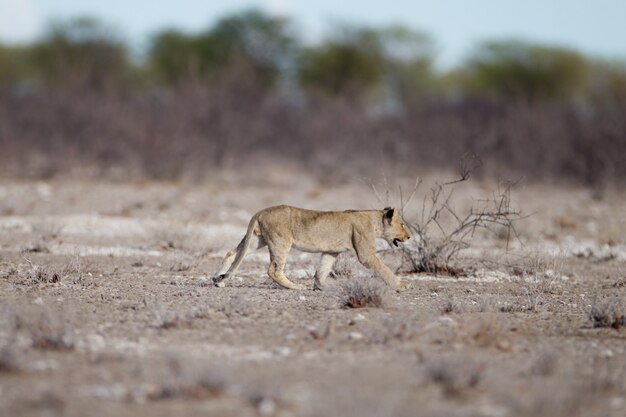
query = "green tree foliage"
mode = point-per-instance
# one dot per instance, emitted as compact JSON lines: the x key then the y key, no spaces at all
{"x":174,"y":55}
{"x":253,"y":38}
{"x":408,"y":58}
{"x":14,"y":64}
{"x":265,"y":42}
{"x":81,"y":50}
{"x":362,"y":59}
{"x":608,"y":81}
{"x":516,"y":69}
{"x":348,"y":61}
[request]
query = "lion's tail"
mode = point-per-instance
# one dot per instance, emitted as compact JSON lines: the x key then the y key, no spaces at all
{"x":242,"y":248}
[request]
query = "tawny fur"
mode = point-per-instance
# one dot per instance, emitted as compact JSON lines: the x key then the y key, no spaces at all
{"x":330,"y":232}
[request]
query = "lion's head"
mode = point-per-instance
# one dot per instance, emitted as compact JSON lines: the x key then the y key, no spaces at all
{"x":394,"y":230}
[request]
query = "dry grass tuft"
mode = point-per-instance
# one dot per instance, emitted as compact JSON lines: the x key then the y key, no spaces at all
{"x":454,"y":378}
{"x":182,"y":382}
{"x":8,"y":360}
{"x":199,"y":389}
{"x":72,"y":271}
{"x":489,"y":332}
{"x":184,"y":261}
{"x":179,"y":236}
{"x":607,"y":314}
{"x":48,"y":331}
{"x":362,"y":292}
{"x":451,"y":306}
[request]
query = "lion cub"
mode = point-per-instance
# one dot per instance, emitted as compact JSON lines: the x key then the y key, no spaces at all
{"x":330,"y":232}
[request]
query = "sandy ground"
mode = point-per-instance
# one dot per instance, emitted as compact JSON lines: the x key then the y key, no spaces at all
{"x":106,"y":309}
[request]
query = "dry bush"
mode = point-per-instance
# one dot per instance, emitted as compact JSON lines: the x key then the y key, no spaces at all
{"x":195,"y":129}
{"x":46,"y":328}
{"x":165,"y":318}
{"x":38,"y":274}
{"x":440,"y":232}
{"x":451,"y":306}
{"x":180,"y":382}
{"x":454,"y":377}
{"x":610,"y":313}
{"x":487,"y":332}
{"x":362,"y":292}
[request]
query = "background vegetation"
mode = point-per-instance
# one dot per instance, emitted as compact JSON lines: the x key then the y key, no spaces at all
{"x":247,"y":89}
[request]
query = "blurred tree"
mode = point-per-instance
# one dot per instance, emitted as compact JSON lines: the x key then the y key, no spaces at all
{"x":607,"y":80}
{"x":265,"y":42}
{"x":407,"y":60}
{"x":262,"y":42}
{"x":174,"y":55}
{"x":362,"y":59}
{"x":82,"y":50}
{"x":14,"y":64}
{"x":350,"y":61}
{"x":516,"y":69}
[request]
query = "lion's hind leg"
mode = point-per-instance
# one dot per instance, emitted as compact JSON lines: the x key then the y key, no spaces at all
{"x":325,"y":266}
{"x":278,"y":258}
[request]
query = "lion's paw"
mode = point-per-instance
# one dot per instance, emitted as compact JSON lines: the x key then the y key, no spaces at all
{"x":403,"y":285}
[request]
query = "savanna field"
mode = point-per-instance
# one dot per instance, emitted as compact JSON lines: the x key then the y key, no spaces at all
{"x":108,"y":307}
{"x":130,"y":167}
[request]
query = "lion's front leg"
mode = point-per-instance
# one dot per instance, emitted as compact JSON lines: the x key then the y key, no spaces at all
{"x":366,"y":253}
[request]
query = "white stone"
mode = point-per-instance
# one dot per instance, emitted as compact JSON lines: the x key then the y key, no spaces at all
{"x":355,"y":336}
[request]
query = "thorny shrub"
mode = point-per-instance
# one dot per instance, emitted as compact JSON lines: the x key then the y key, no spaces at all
{"x":441,"y":232}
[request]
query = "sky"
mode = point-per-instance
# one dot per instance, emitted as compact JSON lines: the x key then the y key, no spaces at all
{"x":596,"y":28}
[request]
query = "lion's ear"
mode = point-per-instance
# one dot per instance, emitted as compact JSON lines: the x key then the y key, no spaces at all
{"x":388,"y":213}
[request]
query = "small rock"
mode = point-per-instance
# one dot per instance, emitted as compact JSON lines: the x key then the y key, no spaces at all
{"x":282,"y":351}
{"x":617,"y":402}
{"x":355,"y":336}
{"x":448,"y":321}
{"x":359,"y":317}
{"x":38,"y":301}
{"x":302,"y":298}
{"x":43,"y":365}
{"x":607,"y":353}
{"x":266,"y":407}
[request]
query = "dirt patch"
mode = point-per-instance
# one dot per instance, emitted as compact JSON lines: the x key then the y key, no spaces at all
{"x":130,"y":325}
